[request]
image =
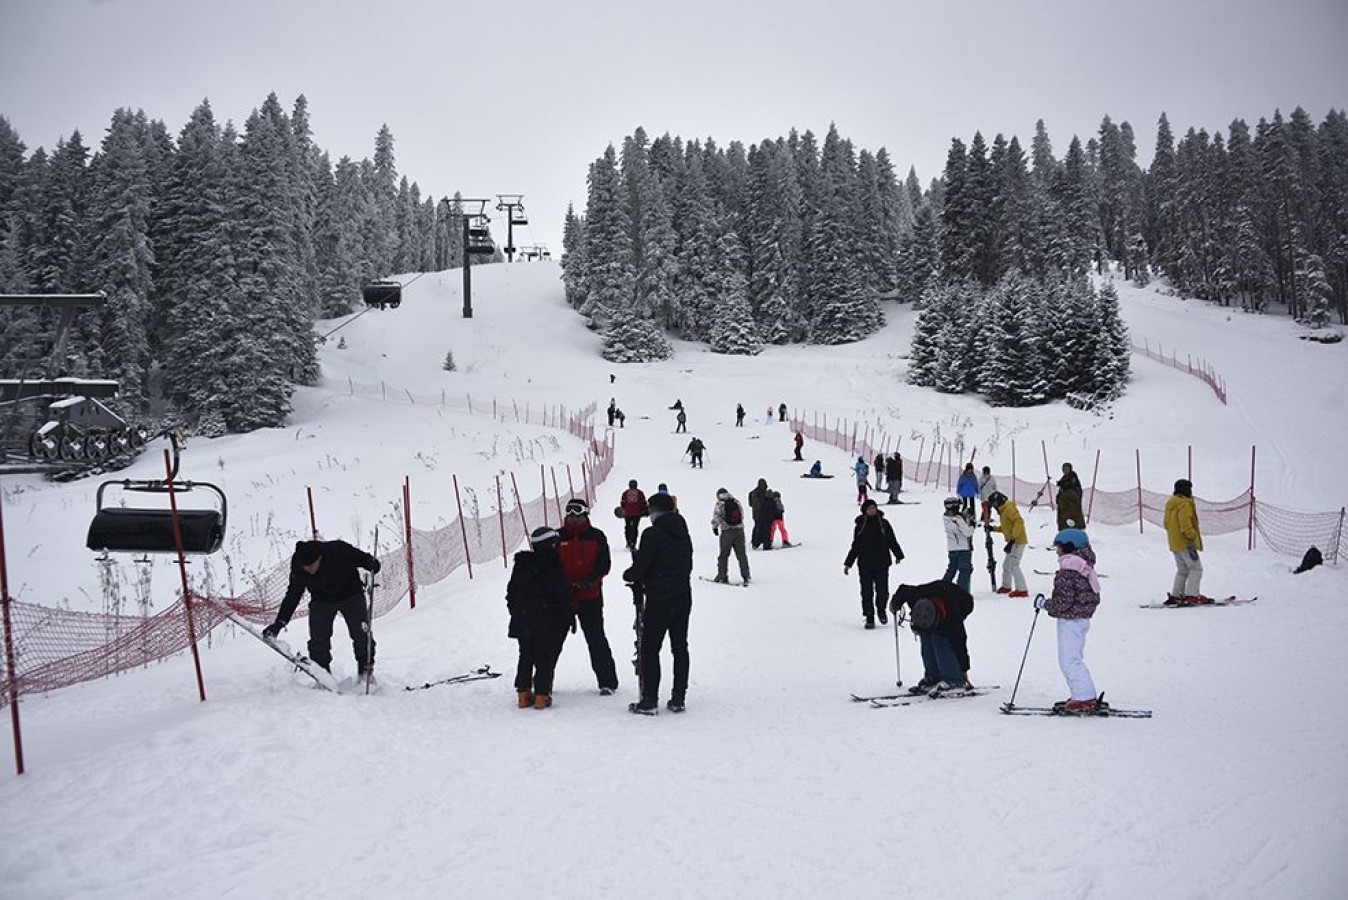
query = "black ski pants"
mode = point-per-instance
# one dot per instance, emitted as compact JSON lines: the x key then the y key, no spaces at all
{"x":630,"y":524}
{"x":762,"y":535}
{"x":874,"y":588}
{"x":538,"y":660}
{"x":667,"y":614}
{"x":321,"y":617}
{"x":591,"y":615}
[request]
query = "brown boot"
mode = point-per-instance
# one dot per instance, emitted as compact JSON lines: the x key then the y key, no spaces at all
{"x":526,"y":699}
{"x":542,"y":701}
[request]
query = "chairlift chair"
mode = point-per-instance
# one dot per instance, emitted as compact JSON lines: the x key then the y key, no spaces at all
{"x":382,"y":293}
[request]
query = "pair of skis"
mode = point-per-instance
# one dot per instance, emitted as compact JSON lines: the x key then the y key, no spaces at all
{"x":885,"y":701}
{"x":482,"y":673}
{"x":1232,"y":600}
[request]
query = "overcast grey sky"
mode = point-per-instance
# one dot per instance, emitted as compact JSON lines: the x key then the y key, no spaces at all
{"x":518,"y":96}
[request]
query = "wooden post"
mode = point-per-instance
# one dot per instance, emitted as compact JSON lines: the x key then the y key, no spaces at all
{"x":463,"y":528}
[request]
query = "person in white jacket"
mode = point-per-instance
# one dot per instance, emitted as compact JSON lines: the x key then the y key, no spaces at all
{"x":959,"y":538}
{"x":987,"y":486}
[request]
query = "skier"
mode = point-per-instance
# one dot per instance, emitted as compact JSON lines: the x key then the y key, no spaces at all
{"x":694,"y":451}
{"x":781,"y":413}
{"x":987,"y":486}
{"x":879,"y":465}
{"x":727,"y":523}
{"x":1069,"y":499}
{"x":739,"y":415}
{"x":967,"y":488}
{"x":621,"y":417}
{"x":632,"y":505}
{"x":863,"y":473}
{"x":800,"y":444}
{"x":771,"y":416}
{"x":1012,"y":527}
{"x":662,"y":567}
{"x":777,"y":510}
{"x":758,"y":499}
{"x":959,"y":537}
{"x":682,"y":422}
{"x":937,"y":611}
{"x":586,"y":560}
{"x":539,"y":600}
{"x":873,"y":544}
{"x":327,"y":570}
{"x":894,"y":476}
{"x":1185,"y":540}
{"x":1076,"y":594}
{"x":612,"y":411}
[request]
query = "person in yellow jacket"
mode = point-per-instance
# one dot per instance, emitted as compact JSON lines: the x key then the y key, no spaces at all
{"x":1012,"y":526}
{"x":1181,"y":531}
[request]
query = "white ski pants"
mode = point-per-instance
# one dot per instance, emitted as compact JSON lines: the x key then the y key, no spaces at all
{"x":1012,"y":576}
{"x":1188,"y":574}
{"x":1071,"y":657}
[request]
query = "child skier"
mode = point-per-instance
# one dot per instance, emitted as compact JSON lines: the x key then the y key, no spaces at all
{"x":959,"y":538}
{"x":1076,"y":594}
{"x":777,"y":510}
{"x":863,"y":473}
{"x":539,"y":600}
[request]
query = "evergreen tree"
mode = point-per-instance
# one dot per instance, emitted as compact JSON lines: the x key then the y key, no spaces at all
{"x":631,"y":338}
{"x":1012,"y":374}
{"x":609,"y":277}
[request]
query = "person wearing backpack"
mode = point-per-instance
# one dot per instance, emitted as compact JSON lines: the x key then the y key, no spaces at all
{"x":632,"y":506}
{"x":727,"y":522}
{"x":695,"y":451}
{"x":937,"y":611}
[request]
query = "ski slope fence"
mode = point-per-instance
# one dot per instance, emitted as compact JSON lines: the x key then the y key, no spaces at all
{"x":1198,"y":369}
{"x":50,"y":648}
{"x":1286,"y":531}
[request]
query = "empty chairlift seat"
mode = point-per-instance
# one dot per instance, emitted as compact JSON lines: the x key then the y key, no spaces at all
{"x":382,"y":294}
{"x":122,"y":529}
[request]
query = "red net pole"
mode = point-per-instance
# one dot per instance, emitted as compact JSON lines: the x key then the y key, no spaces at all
{"x":1094,"y":473}
{"x":519,"y":505}
{"x":1189,"y":456}
{"x":1013,"y":471}
{"x":11,"y":667}
{"x":1250,"y":544}
{"x":1048,"y":476}
{"x":463,"y":528}
{"x":556,"y":494}
{"x":500,"y":515}
{"x":313,"y":520}
{"x":1338,"y":538}
{"x":570,"y":485}
{"x":182,"y":570}
{"x":407,"y":540}
{"x":543,"y":478}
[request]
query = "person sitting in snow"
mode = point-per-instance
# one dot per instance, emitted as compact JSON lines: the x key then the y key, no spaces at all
{"x":327,"y":570}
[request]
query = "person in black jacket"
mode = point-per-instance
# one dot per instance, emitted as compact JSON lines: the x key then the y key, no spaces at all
{"x":937,"y":611}
{"x":661,"y":569}
{"x":873,"y":543}
{"x":327,"y":570}
{"x":539,"y":600}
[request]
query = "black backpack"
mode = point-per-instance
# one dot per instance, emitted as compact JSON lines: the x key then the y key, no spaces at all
{"x":733,"y":514}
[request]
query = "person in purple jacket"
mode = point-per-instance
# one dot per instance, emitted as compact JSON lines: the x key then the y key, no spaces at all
{"x":1076,"y":594}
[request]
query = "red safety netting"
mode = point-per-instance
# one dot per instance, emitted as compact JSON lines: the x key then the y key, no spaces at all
{"x":55,"y":648}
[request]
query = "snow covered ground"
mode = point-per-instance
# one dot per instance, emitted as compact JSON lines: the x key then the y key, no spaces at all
{"x":772,"y":784}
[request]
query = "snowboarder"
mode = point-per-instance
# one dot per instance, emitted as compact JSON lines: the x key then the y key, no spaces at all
{"x":873,"y":545}
{"x":894,"y":476}
{"x":937,"y":611}
{"x":781,"y":413}
{"x":1069,"y":499}
{"x":758,"y":506}
{"x":678,"y":404}
{"x":327,"y":570}
{"x":800,"y":444}
{"x":682,"y":422}
{"x":1185,"y":540}
{"x":777,"y":510}
{"x":739,"y":415}
{"x":1076,"y":594}
{"x":987,"y":486}
{"x":586,"y":560}
{"x":959,"y":537}
{"x":539,"y":600}
{"x":694,"y":451}
{"x":863,"y":473}
{"x":1012,"y":526}
{"x":727,"y":523}
{"x":967,"y":488}
{"x":817,"y":471}
{"x":662,"y":567}
{"x":632,"y":505}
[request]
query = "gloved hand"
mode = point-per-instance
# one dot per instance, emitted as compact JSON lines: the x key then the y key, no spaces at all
{"x":1039,"y":601}
{"x":1009,"y":545}
{"x":1193,"y":552}
{"x":847,"y":570}
{"x":374,"y":569}
{"x":715,"y":530}
{"x":272,"y":630}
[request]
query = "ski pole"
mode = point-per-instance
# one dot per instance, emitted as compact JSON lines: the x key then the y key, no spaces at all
{"x":1012,"y":702}
{"x":898,"y":671}
{"x":369,"y":620}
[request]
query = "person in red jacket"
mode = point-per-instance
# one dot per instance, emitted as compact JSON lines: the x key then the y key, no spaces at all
{"x":632,"y":504}
{"x":585,"y":560}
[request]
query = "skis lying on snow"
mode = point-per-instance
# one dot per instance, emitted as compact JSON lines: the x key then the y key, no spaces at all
{"x":1233,"y":600}
{"x":478,"y":674}
{"x":1042,"y":572}
{"x":726,"y":583}
{"x":1102,"y":711}
{"x":321,"y":676}
{"x":906,"y":697}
